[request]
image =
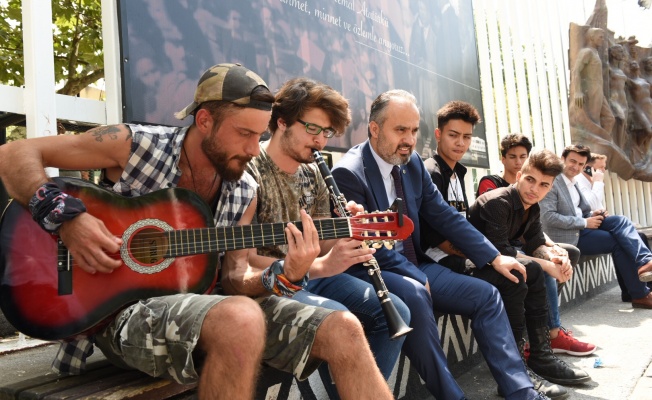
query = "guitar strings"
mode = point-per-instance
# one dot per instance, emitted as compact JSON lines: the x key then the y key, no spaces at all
{"x":276,"y":239}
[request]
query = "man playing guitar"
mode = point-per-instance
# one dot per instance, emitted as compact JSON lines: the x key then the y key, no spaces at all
{"x":166,"y":335}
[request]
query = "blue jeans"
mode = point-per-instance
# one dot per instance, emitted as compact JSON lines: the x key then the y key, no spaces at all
{"x":552,"y":289}
{"x":617,"y":235}
{"x":345,"y":292}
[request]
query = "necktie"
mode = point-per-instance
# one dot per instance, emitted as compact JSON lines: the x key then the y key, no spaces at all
{"x":408,"y":246}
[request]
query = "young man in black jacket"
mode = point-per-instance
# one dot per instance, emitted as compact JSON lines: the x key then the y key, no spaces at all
{"x":456,"y":121}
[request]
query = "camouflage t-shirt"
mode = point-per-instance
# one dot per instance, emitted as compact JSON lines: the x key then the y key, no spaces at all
{"x":281,"y":196}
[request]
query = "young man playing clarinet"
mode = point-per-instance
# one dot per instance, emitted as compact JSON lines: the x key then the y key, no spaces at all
{"x":305,"y":114}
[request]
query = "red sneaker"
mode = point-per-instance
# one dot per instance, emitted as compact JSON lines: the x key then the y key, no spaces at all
{"x":566,"y":343}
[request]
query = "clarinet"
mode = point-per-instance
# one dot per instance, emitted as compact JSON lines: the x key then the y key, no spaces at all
{"x":397,"y":327}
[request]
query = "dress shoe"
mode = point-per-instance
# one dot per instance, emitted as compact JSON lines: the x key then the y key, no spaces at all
{"x":542,"y":386}
{"x":645,"y":302}
{"x":626,"y":298}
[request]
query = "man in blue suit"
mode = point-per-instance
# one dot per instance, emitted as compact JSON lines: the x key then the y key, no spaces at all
{"x":374,"y":174}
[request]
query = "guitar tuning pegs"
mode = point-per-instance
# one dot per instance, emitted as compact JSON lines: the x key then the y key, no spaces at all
{"x":389,"y":244}
{"x":376,"y":245}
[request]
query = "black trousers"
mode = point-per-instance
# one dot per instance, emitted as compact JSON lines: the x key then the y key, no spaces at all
{"x":524,"y":301}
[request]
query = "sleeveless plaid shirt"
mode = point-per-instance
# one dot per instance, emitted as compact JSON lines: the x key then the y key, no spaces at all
{"x":154,"y":165}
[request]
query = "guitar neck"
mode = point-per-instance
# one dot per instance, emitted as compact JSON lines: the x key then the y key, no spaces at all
{"x":214,"y":240}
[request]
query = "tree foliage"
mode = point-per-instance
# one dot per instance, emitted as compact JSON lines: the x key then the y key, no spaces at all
{"x":78,"y":50}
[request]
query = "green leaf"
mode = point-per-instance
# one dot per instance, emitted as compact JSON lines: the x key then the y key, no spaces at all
{"x":77,"y":34}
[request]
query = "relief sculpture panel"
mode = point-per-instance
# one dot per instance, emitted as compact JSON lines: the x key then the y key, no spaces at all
{"x":610,"y":104}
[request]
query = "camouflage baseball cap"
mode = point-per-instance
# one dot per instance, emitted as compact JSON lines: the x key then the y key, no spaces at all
{"x":228,"y":82}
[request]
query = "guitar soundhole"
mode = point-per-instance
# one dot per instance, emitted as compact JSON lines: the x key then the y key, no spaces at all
{"x":148,"y":246}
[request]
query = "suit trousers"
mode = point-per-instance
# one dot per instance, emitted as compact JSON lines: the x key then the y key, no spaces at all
{"x":454,"y":293}
{"x":513,"y":295}
{"x":617,"y":235}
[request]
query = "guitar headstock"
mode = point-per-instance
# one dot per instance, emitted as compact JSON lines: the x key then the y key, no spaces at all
{"x":379,"y":228}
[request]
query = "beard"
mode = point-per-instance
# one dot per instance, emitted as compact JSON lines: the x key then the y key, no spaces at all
{"x":390,"y":154}
{"x":223,"y":164}
{"x":290,"y":147}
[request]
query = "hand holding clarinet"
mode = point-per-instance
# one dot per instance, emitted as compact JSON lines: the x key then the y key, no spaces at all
{"x":397,"y":327}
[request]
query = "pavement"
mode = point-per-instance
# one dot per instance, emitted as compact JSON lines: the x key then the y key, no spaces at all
{"x":624,"y":340}
{"x":621,"y":333}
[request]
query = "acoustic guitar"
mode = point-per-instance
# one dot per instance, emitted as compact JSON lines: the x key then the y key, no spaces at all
{"x":170,"y":245}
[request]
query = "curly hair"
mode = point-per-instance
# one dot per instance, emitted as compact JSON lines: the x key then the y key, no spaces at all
{"x":299,"y":95}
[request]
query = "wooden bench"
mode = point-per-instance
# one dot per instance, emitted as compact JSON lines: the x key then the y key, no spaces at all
{"x":102,"y":381}
{"x":594,"y":275}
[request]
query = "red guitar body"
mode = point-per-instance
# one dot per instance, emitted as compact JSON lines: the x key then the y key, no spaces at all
{"x":29,"y":258}
{"x":170,"y":245}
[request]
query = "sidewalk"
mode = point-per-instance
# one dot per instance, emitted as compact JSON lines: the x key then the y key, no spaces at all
{"x":624,"y":340}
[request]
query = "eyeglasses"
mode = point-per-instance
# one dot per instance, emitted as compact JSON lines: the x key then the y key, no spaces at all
{"x":315,"y":129}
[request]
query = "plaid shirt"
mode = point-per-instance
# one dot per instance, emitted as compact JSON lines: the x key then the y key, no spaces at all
{"x":153,"y":165}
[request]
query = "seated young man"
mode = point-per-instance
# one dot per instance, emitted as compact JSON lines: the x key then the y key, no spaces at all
{"x":591,"y":181}
{"x":515,"y":149}
{"x":567,"y":218}
{"x":305,"y":114}
{"x":525,"y":299}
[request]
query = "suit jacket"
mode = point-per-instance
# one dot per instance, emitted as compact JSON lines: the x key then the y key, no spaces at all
{"x":558,"y":213}
{"x":358,"y":178}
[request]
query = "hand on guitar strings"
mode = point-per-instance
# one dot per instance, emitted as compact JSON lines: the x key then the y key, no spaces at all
{"x":303,"y":248}
{"x":90,"y":243}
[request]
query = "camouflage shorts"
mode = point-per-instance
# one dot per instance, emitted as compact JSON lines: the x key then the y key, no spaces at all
{"x":158,"y":335}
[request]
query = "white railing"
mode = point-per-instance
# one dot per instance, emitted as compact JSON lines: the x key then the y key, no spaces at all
{"x":523,"y":56}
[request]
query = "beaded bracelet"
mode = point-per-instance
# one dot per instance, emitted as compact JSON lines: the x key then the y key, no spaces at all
{"x":274,"y":280}
{"x":51,"y":207}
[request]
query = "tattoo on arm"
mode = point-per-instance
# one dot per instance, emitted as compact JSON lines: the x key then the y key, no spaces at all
{"x":448,"y":248}
{"x":109,"y":131}
{"x":455,"y":249}
{"x":541,"y":252}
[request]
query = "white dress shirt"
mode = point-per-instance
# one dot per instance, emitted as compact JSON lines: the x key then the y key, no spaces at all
{"x":386,"y":172}
{"x":575,"y":196}
{"x":592,"y":192}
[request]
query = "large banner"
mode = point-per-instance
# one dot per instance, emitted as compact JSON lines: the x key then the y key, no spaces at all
{"x":360,"y":48}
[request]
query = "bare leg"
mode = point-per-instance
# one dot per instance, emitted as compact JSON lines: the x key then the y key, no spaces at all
{"x":233,"y":338}
{"x":340,"y":341}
